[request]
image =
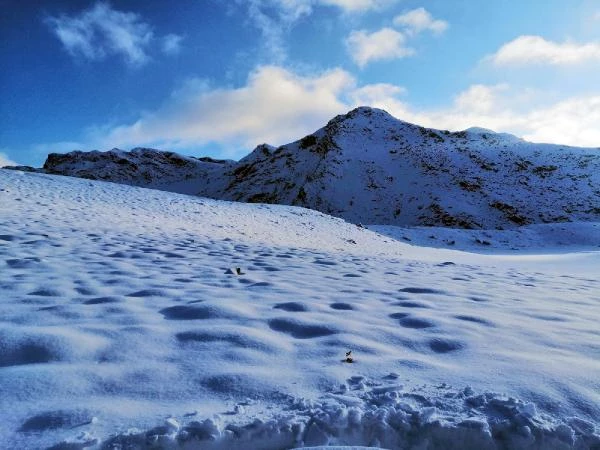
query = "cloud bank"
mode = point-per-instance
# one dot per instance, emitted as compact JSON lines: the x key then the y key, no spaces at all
{"x":277,"y":106}
{"x":274,"y":106}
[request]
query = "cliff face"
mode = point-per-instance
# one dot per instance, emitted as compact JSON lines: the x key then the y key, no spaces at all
{"x":366,"y":166}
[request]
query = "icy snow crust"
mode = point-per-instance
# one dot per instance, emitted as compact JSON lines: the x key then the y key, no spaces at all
{"x":124,"y":323}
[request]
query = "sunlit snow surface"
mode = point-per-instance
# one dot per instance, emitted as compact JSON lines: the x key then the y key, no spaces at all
{"x":123,"y":322}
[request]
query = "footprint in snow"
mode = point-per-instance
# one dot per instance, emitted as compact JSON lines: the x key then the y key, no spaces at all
{"x":52,"y":420}
{"x":291,"y":306}
{"x":409,"y":304}
{"x":341,"y":306}
{"x":102,"y":300}
{"x":189,"y":312}
{"x":25,"y":263}
{"x":300,"y":330}
{"x":414,"y":322}
{"x":473,"y":319}
{"x":444,"y":345}
{"x":420,"y":290}
{"x":148,"y":293}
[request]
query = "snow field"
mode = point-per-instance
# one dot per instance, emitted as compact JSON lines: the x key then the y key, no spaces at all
{"x":119,"y":325}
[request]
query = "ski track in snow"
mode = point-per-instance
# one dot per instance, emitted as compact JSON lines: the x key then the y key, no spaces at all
{"x":119,"y":309}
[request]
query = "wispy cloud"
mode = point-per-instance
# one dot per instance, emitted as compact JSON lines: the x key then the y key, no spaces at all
{"x":358,"y":5}
{"x":380,"y":45}
{"x":171,"y":44}
{"x":304,"y":7}
{"x":101,"y":31}
{"x":526,"y":50}
{"x":289,"y":10}
{"x":273,"y":24}
{"x":275,"y":18}
{"x":418,"y":20}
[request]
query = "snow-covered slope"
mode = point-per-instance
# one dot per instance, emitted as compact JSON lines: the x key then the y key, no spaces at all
{"x":124,"y":323}
{"x":368,"y":167}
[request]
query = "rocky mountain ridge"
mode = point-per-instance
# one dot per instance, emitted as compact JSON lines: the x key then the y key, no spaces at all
{"x":369,"y":167}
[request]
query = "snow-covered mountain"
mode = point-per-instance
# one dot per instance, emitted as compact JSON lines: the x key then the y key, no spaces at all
{"x":367,"y":166}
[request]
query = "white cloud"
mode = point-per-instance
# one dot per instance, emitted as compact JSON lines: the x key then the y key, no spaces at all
{"x":487,"y":106}
{"x":299,"y":8}
{"x":275,"y":106}
{"x":479,"y":98}
{"x":418,"y":20}
{"x":374,"y":93}
{"x":6,"y":161}
{"x":358,"y":5}
{"x":278,"y":106}
{"x":571,"y":121}
{"x":380,"y":45}
{"x":171,"y":44}
{"x":388,"y":43}
{"x":101,"y":31}
{"x":537,"y":50}
{"x":380,"y":95}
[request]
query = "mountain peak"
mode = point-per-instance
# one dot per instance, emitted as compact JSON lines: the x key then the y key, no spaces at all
{"x":369,"y":111}
{"x":366,"y":112}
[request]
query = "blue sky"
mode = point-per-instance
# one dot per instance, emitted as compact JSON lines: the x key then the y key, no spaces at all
{"x":210,"y":77}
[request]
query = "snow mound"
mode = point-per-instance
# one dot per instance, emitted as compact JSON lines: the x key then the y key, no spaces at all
{"x":378,"y":415}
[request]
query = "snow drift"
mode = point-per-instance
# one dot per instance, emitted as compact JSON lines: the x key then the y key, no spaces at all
{"x":122,"y":325}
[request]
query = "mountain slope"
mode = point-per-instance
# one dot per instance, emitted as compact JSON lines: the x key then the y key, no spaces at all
{"x":366,"y":166}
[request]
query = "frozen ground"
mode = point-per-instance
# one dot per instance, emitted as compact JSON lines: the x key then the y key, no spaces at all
{"x":124,"y":324}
